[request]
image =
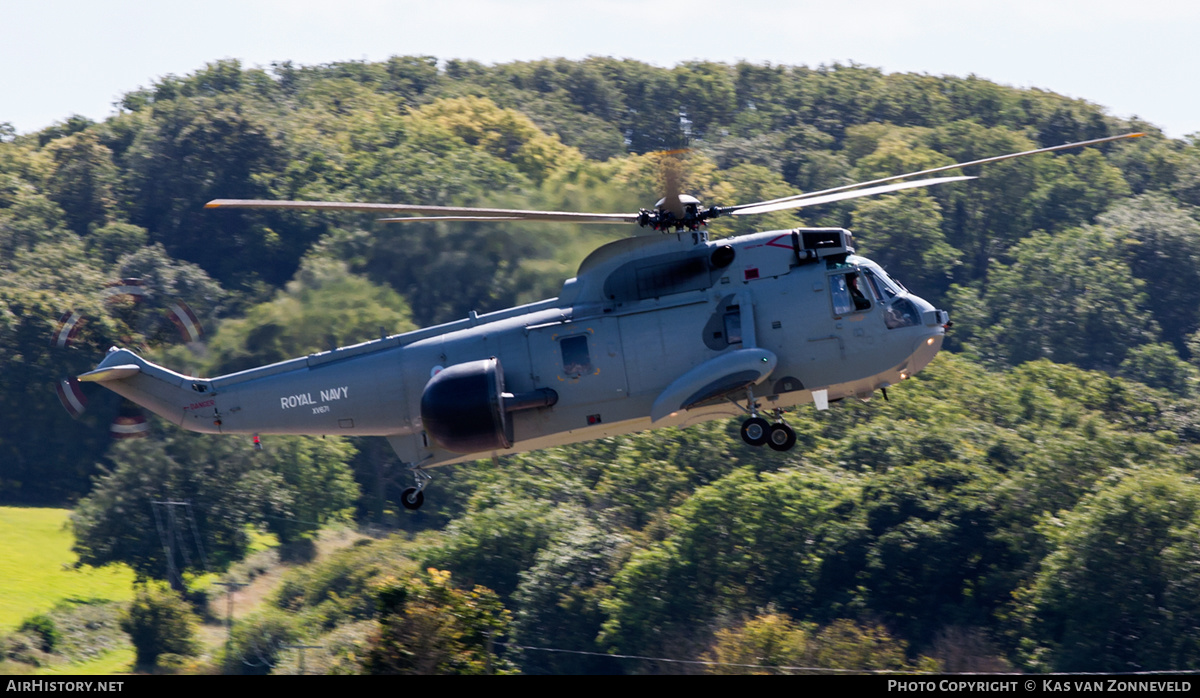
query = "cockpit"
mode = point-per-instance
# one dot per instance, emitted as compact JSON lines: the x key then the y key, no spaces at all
{"x":864,"y":284}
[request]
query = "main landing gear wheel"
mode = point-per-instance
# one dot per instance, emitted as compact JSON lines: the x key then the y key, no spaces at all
{"x":755,"y":431}
{"x":781,"y":437}
{"x":412,"y":498}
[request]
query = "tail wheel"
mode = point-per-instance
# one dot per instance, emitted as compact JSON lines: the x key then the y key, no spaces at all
{"x":781,"y":437}
{"x":755,"y":431}
{"x":412,"y":498}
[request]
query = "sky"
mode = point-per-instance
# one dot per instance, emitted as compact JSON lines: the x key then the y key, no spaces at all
{"x":64,"y":57}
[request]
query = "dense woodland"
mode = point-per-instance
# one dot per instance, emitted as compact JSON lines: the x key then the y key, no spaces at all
{"x":1028,"y":502}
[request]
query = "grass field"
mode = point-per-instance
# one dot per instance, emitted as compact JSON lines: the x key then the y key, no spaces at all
{"x":35,"y":566}
{"x":108,"y":664}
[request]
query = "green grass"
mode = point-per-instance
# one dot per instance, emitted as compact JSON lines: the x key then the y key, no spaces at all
{"x":118,"y":661}
{"x":36,"y":566}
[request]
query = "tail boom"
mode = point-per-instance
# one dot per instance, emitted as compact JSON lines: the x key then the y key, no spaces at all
{"x":300,"y":396}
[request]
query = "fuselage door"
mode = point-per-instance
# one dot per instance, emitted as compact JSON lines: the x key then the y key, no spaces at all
{"x":581,"y":361}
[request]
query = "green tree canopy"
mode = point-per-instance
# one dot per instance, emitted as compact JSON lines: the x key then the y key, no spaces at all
{"x":1068,"y":297}
{"x":229,"y":487}
{"x":322,"y":308}
{"x":1117,"y":592}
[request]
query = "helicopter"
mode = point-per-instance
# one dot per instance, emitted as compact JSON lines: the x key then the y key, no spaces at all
{"x":656,"y":330}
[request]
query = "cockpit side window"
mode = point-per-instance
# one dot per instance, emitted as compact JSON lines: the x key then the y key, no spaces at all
{"x":847,"y":294}
{"x":879,"y":288}
{"x":901,"y":313}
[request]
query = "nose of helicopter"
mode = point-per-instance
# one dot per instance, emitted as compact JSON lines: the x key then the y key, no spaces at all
{"x":925,"y":350}
{"x":934,"y":323}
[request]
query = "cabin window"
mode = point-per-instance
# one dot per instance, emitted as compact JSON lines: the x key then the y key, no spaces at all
{"x":575,"y":357}
{"x":733,"y":327}
{"x":847,"y":294}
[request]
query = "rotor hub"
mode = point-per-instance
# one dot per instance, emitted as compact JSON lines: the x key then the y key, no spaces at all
{"x":685,"y":212}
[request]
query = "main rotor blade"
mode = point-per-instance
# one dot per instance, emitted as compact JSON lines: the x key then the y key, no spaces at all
{"x":451,"y":212}
{"x":670,"y":165}
{"x":781,"y":205}
{"x":932,"y":170}
{"x":406,"y":219}
{"x":409,"y":219}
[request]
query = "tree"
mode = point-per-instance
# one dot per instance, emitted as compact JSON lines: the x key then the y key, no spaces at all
{"x":317,"y":488}
{"x":36,"y":464}
{"x":559,"y":601}
{"x":925,"y":553}
{"x":649,"y":119}
{"x":1116,"y":592}
{"x":503,"y":133}
{"x":1158,"y":366}
{"x":429,"y":627}
{"x":166,"y":280}
{"x":258,"y":642}
{"x":58,"y":276}
{"x":229,"y":486}
{"x":84,"y":180}
{"x":1068,"y":298}
{"x":743,"y":542}
{"x":747,"y":183}
{"x":987,"y":216}
{"x":707,"y":97}
{"x":412,"y":76}
{"x":1075,"y":188}
{"x":491,"y":546}
{"x":341,"y":587}
{"x":760,"y":643}
{"x":115,"y":240}
{"x":323,"y":307}
{"x":202,"y":148}
{"x":772,"y":640}
{"x":1155,"y":234}
{"x":903,"y":233}
{"x":159,"y":622}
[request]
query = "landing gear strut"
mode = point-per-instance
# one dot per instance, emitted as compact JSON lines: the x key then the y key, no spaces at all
{"x":413,"y":497}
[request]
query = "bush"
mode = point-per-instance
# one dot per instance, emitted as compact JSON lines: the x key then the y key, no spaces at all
{"x":159,"y":622}
{"x":42,"y":626}
{"x":338,"y":588}
{"x":259,"y":641}
{"x":429,"y":627}
{"x":773,"y":643}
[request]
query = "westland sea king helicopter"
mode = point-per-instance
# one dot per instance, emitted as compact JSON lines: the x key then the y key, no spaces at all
{"x":655,"y":330}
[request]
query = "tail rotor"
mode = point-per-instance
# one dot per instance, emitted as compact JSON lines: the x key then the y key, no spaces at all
{"x":145,"y":322}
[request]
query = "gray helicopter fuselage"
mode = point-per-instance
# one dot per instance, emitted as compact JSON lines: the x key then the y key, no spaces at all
{"x":653,"y":331}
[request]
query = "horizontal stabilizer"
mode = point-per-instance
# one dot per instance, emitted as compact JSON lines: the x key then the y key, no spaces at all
{"x":111,"y":373}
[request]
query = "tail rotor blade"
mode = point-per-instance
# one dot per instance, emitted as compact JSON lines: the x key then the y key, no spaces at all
{"x":70,"y":394}
{"x":130,"y":423}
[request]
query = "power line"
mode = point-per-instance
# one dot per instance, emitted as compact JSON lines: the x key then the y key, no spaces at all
{"x":230,"y":588}
{"x":302,"y":648}
{"x":172,"y":536}
{"x":702,"y":662}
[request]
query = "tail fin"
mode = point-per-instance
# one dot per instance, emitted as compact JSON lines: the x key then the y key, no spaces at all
{"x":160,"y":390}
